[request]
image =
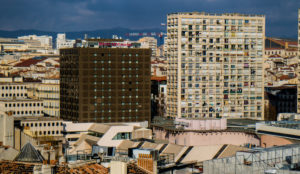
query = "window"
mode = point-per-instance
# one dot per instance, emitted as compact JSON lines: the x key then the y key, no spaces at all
{"x":122,"y":136}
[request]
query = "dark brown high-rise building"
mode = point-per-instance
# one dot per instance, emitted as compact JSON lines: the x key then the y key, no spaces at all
{"x":104,"y":80}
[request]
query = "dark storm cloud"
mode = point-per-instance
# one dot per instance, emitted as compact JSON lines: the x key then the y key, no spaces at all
{"x":75,"y":15}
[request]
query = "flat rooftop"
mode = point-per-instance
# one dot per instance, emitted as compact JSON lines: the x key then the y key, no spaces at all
{"x":36,"y":118}
{"x":216,"y":14}
{"x":168,"y":124}
{"x":260,"y":150}
{"x":284,"y":124}
{"x":19,"y":100}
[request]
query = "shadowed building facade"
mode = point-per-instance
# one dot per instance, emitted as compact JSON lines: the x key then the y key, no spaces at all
{"x":104,"y":80}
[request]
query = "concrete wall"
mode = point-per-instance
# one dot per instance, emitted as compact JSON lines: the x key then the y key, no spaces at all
{"x":6,"y":129}
{"x":118,"y":167}
{"x":213,"y":124}
{"x":269,"y":141}
{"x":21,"y":139}
{"x":207,"y":138}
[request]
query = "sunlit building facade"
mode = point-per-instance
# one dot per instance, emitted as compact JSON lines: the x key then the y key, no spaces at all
{"x":215,"y":65}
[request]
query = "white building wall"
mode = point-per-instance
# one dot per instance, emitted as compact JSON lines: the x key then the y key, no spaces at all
{"x":6,"y":129}
{"x":215,"y":65}
{"x":26,"y":107}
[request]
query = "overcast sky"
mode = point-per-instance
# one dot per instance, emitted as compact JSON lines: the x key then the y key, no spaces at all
{"x":78,"y":15}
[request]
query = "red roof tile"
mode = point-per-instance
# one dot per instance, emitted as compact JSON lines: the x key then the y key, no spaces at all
{"x":157,"y":78}
{"x":29,"y":62}
{"x":285,"y":77}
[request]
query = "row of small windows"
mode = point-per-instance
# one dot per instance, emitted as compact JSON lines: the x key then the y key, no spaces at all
{"x":49,"y":132}
{"x":13,"y":87}
{"x":123,"y":55}
{"x":23,"y":104}
{"x":14,"y":95}
{"x":42,"y":124}
{"x":123,"y":61}
{"x":26,"y":112}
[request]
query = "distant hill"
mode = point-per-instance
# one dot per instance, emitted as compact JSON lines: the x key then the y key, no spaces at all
{"x":103,"y":33}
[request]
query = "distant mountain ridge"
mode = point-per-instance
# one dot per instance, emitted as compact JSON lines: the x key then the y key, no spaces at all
{"x":103,"y":33}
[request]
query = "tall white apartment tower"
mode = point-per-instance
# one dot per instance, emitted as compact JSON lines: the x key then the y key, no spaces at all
{"x":298,"y":84}
{"x":215,"y":65}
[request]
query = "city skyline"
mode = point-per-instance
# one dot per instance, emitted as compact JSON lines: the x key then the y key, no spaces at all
{"x":64,"y":16}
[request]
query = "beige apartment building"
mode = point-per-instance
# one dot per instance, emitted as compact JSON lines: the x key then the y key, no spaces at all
{"x":149,"y":42}
{"x":22,"y":107}
{"x":215,"y":65}
{"x":12,"y":90}
{"x":48,"y":91}
{"x":42,"y":126}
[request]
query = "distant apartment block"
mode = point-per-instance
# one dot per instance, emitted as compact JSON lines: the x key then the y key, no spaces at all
{"x":105,"y":80}
{"x":48,"y":91}
{"x":215,"y":65}
{"x":41,"y":41}
{"x":29,"y":44}
{"x":63,"y":42}
{"x":149,"y":42}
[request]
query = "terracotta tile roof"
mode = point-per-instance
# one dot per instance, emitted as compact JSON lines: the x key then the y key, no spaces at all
{"x":21,"y":167}
{"x":92,"y":168}
{"x":16,"y":167}
{"x":134,"y":168}
{"x":29,"y":62}
{"x":285,"y":77}
{"x":157,"y":78}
